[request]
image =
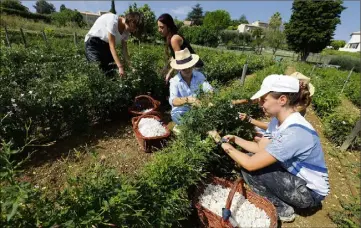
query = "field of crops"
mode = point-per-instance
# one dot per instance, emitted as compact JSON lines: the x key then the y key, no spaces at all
{"x":50,"y":92}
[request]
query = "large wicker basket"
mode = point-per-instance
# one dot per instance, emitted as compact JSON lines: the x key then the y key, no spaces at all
{"x":210,"y":219}
{"x":149,"y":144}
{"x":141,"y":103}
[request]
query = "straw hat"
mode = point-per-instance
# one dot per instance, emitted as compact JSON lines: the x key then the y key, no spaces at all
{"x":184,"y":59}
{"x":300,"y":76}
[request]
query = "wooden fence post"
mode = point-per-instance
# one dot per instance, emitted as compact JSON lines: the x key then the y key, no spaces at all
{"x":352,"y":136}
{"x":23,"y":36}
{"x":244,"y":71}
{"x":347,"y":79}
{"x":7,"y":37}
{"x":75,"y":39}
{"x":44,"y":37}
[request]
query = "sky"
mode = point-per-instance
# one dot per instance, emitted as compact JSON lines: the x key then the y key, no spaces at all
{"x":253,"y":10}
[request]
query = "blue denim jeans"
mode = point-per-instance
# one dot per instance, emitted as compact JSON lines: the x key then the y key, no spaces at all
{"x":282,"y":188}
{"x":176,"y":117}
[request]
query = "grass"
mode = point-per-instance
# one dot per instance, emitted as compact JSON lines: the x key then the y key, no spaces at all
{"x":16,"y":22}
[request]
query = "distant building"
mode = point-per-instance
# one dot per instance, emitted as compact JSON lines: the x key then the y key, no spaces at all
{"x":90,"y":17}
{"x":188,"y":23}
{"x":353,"y":44}
{"x":242,"y":28}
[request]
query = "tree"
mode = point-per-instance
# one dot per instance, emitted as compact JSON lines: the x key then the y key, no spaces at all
{"x":217,"y":20}
{"x":112,"y":8}
{"x":312,"y":25}
{"x":275,"y":21}
{"x":68,"y":16}
{"x":13,"y":4}
{"x":150,"y":27}
{"x":336,"y":44}
{"x":274,"y":37}
{"x":62,"y":7}
{"x":258,"y":40}
{"x":243,"y":19}
{"x":44,"y":7}
{"x":196,"y":15}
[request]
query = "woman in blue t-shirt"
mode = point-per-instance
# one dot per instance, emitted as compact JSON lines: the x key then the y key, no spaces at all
{"x":288,"y":168}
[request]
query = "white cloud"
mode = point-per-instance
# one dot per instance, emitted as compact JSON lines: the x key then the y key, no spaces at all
{"x":182,"y":10}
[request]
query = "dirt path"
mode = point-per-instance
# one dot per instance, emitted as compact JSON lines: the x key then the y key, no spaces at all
{"x":113,"y":143}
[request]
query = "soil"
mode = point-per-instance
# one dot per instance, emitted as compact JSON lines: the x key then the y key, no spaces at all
{"x":113,"y":143}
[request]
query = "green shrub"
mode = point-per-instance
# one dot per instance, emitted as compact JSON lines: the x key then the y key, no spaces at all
{"x":338,"y":125}
{"x":67,"y":16}
{"x":74,"y":93}
{"x":200,"y":35}
{"x":347,"y":63}
{"x":340,"y":53}
{"x":14,"y":5}
{"x":26,"y":14}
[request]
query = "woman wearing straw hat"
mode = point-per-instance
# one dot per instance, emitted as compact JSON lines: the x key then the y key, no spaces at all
{"x":261,"y":126}
{"x":184,"y":87}
{"x":108,"y":30}
{"x":289,"y":169}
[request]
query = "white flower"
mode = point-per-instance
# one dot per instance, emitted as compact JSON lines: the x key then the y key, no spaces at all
{"x":12,"y":100}
{"x":30,"y":92}
{"x":21,"y":95}
{"x":343,"y":122}
{"x":50,"y":92}
{"x":15,"y":105}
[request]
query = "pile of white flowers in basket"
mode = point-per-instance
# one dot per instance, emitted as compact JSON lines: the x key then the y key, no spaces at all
{"x":150,"y":127}
{"x":244,"y":213}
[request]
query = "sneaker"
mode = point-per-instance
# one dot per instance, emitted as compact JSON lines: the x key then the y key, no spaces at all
{"x":289,"y":218}
{"x":287,"y":215}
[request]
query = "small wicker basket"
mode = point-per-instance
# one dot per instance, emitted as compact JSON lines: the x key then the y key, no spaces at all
{"x":149,"y":144}
{"x":210,"y":219}
{"x":141,"y":103}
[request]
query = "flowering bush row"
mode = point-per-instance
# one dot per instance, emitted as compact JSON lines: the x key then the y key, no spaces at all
{"x":160,"y":196}
{"x":338,"y":119}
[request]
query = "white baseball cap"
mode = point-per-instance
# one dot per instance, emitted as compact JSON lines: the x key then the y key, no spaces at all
{"x":277,"y":83}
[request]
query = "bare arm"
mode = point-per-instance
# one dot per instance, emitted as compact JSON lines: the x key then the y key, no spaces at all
{"x":251,"y":163}
{"x":180,"y":101}
{"x":176,"y":43}
{"x":111,"y":39}
{"x":259,"y":124}
{"x":250,"y":146}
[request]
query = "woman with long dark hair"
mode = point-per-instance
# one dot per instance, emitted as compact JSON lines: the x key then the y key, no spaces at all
{"x":174,"y":41}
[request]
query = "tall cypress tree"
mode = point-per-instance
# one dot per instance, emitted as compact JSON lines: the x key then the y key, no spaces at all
{"x":112,"y":9}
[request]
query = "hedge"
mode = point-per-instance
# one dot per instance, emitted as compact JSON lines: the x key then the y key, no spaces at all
{"x":25,"y":14}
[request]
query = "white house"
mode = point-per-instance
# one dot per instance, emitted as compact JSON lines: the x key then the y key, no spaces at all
{"x":242,"y":28}
{"x":354,"y":44}
{"x":90,"y":17}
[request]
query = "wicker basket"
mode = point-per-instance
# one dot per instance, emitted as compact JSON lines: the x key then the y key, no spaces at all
{"x":149,"y":144}
{"x":210,"y":219}
{"x":141,"y":103}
